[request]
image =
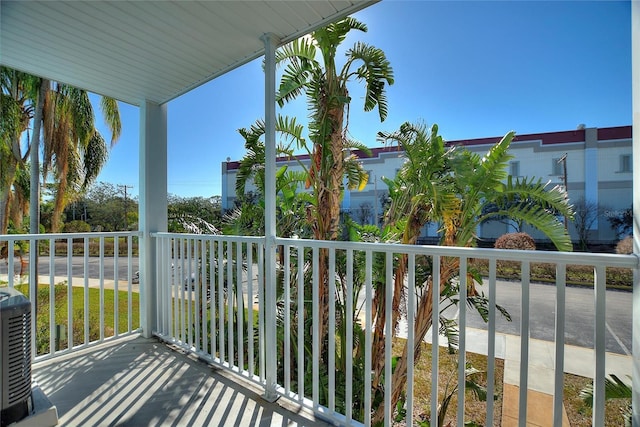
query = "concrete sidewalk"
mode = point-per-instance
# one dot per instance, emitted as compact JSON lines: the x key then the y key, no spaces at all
{"x":577,"y":360}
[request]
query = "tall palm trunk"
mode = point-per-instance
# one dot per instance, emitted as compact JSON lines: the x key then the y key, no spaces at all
{"x":5,"y":193}
{"x":329,"y":184}
{"x":379,"y":315}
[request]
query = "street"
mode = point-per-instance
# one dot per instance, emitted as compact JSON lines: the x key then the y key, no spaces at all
{"x":579,"y":315}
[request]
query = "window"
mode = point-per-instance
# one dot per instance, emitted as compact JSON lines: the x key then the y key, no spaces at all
{"x":514,"y":169}
{"x":625,"y":163}
{"x":556,"y":167}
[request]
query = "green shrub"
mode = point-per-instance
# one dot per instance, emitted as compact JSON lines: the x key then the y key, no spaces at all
{"x":77,"y":226}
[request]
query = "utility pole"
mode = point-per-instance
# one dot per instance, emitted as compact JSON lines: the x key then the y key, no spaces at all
{"x":126,"y":211}
{"x":563,"y":160}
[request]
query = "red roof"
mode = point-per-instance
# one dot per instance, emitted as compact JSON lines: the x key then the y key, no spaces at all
{"x":563,"y":137}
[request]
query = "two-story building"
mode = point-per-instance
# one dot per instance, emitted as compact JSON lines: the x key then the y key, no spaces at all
{"x":595,"y":162}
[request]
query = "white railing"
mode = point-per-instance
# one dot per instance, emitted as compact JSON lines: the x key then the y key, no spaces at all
{"x":211,"y":291}
{"x":85,"y":283}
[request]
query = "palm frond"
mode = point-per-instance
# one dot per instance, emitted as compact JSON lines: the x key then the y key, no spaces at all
{"x":376,"y":71}
{"x":111,"y":114}
{"x":299,"y":55}
{"x":614,"y":388}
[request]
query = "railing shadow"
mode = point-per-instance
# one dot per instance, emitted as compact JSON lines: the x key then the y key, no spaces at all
{"x":140,"y":382}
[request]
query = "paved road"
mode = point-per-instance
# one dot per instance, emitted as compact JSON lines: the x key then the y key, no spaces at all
{"x":579,"y":315}
{"x":579,"y":311}
{"x":77,"y":264}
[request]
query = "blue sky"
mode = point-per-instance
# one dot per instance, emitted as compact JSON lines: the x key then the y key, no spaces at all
{"x":477,"y":69}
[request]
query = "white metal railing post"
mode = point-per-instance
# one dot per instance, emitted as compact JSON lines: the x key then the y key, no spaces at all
{"x":635,"y":89}
{"x":270,"y":44}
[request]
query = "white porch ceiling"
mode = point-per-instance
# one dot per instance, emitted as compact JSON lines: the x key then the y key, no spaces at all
{"x":150,"y":50}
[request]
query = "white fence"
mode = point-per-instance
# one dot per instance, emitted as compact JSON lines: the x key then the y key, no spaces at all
{"x":86,"y":286}
{"x":211,"y":293}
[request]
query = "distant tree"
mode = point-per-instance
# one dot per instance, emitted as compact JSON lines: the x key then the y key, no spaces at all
{"x":103,"y":208}
{"x":586,"y":214}
{"x":197,"y":215}
{"x":621,"y":221}
{"x":364,"y":213}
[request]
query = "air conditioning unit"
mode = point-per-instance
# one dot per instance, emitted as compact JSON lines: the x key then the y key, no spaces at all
{"x":15,"y":356}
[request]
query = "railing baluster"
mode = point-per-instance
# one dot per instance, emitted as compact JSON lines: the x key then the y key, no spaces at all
{"x":367,"y":337}
{"x":175,"y":289}
{"x":203,"y":292}
{"x":10,"y":267}
{"x":301,"y":321}
{"x":388,"y":334}
{"x":462,"y":340}
{"x":331,"y":332}
{"x":213,"y":273}
{"x":86,"y":291}
{"x":250,"y":332}
{"x":101,"y":288}
{"x":491,"y":350}
{"x":69,"y":293}
{"x":230,"y":288}
{"x":316,"y":331}
{"x":130,"y":283}
{"x":561,"y":280}
{"x":221,"y":311}
{"x":179,"y":272}
{"x":524,"y":344}
{"x":600,"y":293}
{"x":411,"y":318}
{"x":261,"y":308}
{"x":287,"y":318}
{"x":52,"y":297}
{"x":189,"y":285}
{"x":435,"y":323}
{"x":116,"y":305}
{"x":240,"y":306}
{"x":193,"y":286}
{"x":348,"y":324}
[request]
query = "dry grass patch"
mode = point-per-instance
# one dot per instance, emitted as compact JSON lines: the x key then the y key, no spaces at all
{"x":579,"y":413}
{"x":475,"y":410}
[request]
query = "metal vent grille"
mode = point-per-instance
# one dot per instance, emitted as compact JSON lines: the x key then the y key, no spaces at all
{"x":19,"y":357}
{"x":15,"y":356}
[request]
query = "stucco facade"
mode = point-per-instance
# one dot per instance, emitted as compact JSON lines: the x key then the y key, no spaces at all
{"x":598,"y":170}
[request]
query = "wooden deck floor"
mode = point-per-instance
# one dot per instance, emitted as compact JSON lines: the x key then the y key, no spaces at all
{"x":142,"y":382}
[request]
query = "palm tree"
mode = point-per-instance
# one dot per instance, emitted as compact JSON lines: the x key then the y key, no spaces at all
{"x":311,"y":69}
{"x":74,"y":150}
{"x":17,"y":102}
{"x":450,"y":186}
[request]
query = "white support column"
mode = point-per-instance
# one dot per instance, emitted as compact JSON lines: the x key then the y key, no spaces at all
{"x":635,"y":90}
{"x":152,"y":204}
{"x":270,"y":45}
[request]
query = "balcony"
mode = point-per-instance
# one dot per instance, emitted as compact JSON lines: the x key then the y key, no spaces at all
{"x":228,"y":340}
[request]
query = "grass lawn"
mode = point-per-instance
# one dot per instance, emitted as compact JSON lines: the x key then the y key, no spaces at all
{"x":78,"y":314}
